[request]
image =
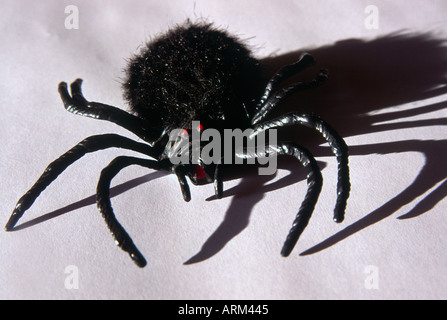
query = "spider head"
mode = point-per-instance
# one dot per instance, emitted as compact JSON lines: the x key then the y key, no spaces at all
{"x":196,"y":150}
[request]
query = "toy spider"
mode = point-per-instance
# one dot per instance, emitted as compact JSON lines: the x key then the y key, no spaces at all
{"x":194,"y":72}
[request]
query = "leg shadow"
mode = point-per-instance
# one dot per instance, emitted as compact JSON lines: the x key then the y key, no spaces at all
{"x":115,"y":191}
{"x":432,"y":173}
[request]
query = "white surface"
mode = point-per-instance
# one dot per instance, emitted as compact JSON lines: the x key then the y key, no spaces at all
{"x":397,"y":166}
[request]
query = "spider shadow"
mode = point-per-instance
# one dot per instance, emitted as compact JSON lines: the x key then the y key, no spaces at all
{"x":114,"y":191}
{"x":365,"y":76}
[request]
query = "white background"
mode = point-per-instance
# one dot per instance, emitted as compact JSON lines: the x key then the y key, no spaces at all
{"x":386,"y":96}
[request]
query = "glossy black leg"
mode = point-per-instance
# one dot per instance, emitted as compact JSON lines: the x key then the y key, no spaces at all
{"x":336,"y":142}
{"x":314,"y":185}
{"x":218,"y":182}
{"x":54,"y":169}
{"x":122,"y":238}
{"x":181,"y":176}
{"x":78,"y":104}
{"x":280,"y":95}
{"x":305,"y":61}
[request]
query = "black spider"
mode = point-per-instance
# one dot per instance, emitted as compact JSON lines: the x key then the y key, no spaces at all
{"x":195,"y":72}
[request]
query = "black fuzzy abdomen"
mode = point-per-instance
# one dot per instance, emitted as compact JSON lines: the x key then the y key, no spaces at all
{"x":193,"y":72}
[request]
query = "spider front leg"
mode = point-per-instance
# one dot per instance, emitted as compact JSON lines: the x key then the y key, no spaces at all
{"x":122,"y":238}
{"x":314,"y":185}
{"x":54,"y":169}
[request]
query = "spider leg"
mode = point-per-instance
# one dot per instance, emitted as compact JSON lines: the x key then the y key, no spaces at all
{"x":305,"y":61}
{"x":179,"y":172}
{"x":277,"y":97}
{"x":77,"y":104}
{"x":122,"y":238}
{"x":218,"y":183}
{"x":336,"y":142}
{"x":314,"y":185}
{"x":54,"y":169}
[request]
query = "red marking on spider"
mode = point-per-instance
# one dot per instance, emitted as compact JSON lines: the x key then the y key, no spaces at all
{"x":200,"y":173}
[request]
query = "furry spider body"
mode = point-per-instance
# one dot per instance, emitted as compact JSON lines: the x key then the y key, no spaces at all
{"x":194,"y":72}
